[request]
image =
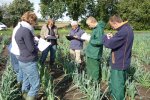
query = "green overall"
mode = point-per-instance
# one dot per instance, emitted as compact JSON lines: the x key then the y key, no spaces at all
{"x":94,"y":52}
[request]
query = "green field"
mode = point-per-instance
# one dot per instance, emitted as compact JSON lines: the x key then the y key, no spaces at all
{"x":70,"y":85}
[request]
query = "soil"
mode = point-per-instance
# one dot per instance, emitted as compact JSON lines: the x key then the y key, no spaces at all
{"x":147,"y":68}
{"x":143,"y":93}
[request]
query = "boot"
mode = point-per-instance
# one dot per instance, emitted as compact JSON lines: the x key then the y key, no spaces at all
{"x":30,"y":98}
{"x":19,"y":84}
{"x":24,"y":95}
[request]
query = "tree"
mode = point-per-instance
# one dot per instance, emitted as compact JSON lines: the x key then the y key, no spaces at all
{"x":76,"y":8}
{"x":100,"y":8}
{"x":1,"y":14}
{"x":136,"y":12}
{"x":17,"y":8}
{"x":56,"y":8}
{"x":52,"y":8}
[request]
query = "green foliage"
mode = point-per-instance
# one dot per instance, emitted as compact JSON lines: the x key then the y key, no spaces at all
{"x":76,"y":8}
{"x":9,"y":89}
{"x":16,"y":9}
{"x":52,"y":8}
{"x":1,"y":14}
{"x":99,"y":8}
{"x":136,"y":11}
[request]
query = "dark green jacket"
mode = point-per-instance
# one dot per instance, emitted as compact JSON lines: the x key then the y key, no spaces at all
{"x":95,"y":48}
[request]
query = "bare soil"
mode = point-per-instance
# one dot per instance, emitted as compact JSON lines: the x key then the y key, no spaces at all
{"x":143,"y":93}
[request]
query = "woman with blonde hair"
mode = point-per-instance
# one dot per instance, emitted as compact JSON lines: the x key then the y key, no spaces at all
{"x":24,"y":38}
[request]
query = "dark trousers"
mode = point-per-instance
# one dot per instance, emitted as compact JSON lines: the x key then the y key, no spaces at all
{"x":52,"y":50}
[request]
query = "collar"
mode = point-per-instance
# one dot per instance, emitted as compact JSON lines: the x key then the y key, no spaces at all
{"x":96,"y":25}
{"x":123,"y":23}
{"x":76,"y":30}
{"x":27,"y":25}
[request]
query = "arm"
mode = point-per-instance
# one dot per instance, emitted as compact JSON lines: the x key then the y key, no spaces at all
{"x":114,"y":42}
{"x":56,"y":32}
{"x":42,"y":33}
{"x":79,"y":36}
{"x":97,"y":41}
{"x":29,"y":41}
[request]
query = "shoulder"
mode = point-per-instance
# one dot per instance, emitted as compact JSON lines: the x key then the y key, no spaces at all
{"x":25,"y":31}
{"x":44,"y":26}
{"x":101,"y":24}
{"x":81,"y":30}
{"x":54,"y":27}
{"x":125,"y":29}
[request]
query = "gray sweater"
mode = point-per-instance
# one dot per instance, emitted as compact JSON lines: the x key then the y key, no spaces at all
{"x":25,"y":42}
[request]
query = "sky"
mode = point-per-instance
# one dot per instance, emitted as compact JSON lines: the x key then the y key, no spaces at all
{"x":35,"y":2}
{"x":36,"y":8}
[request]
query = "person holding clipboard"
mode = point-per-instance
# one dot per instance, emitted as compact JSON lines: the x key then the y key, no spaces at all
{"x":49,"y":32}
{"x":76,"y":43}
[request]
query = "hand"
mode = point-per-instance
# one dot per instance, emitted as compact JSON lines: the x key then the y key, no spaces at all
{"x":47,"y":36}
{"x":57,"y":36}
{"x":75,"y":36}
{"x":36,"y":38}
{"x":109,"y":35}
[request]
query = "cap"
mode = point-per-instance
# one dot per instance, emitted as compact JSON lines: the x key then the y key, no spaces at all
{"x":74,"y":23}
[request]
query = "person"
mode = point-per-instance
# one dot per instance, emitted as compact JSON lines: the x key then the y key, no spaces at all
{"x":121,"y":48}
{"x":49,"y":32}
{"x":14,"y":54}
{"x":28,"y":57}
{"x":94,"y":49}
{"x":76,"y":44}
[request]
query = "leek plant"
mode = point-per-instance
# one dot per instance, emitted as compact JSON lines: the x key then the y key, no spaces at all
{"x":9,"y":89}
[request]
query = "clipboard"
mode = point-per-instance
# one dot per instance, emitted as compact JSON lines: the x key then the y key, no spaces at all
{"x":70,"y":37}
{"x":51,"y":37}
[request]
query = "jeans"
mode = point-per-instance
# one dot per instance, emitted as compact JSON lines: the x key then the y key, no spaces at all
{"x":31,"y":80}
{"x":16,"y":68}
{"x":52,"y":49}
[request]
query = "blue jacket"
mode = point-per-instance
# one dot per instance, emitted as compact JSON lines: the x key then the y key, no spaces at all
{"x":76,"y":44}
{"x":121,"y":45}
{"x":26,"y":44}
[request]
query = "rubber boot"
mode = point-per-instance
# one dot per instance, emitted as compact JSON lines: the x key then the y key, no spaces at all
{"x":30,"y":98}
{"x":24,"y":95}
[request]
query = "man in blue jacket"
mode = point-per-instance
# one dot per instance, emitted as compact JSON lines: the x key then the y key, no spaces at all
{"x":121,"y":48}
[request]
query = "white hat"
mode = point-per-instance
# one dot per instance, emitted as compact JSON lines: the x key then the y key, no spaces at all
{"x":74,"y":23}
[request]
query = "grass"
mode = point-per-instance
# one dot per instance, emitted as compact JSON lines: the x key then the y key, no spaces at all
{"x":66,"y":31}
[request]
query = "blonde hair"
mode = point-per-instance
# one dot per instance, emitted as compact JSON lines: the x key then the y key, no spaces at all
{"x":115,"y":18}
{"x":91,"y":19}
{"x":29,"y":17}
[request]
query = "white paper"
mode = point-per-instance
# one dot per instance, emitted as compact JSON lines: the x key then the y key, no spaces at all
{"x":36,"y":38}
{"x":86,"y":36}
{"x":43,"y":44}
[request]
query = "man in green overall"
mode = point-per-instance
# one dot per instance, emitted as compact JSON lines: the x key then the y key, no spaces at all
{"x":94,"y":49}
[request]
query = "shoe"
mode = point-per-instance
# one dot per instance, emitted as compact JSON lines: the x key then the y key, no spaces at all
{"x":19,"y":85}
{"x":30,"y":98}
